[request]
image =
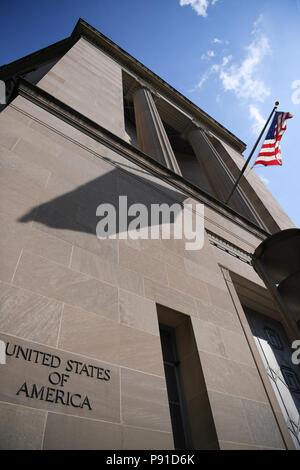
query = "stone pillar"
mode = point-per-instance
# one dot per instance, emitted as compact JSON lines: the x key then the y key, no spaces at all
{"x":209,"y":163}
{"x":151,"y":134}
{"x":217,"y":173}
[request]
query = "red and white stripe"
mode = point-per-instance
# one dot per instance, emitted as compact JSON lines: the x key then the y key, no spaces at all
{"x":270,"y":153}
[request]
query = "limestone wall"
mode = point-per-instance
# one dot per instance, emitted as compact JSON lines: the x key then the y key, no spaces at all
{"x":66,"y":293}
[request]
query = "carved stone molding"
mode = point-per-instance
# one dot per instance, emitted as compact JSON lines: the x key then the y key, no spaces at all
{"x":61,"y":110}
{"x":230,"y":248}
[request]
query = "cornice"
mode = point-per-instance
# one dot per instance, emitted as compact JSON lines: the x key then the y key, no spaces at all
{"x":229,"y":248}
{"x":27,"y":63}
{"x":83,"y":29}
{"x":61,"y":110}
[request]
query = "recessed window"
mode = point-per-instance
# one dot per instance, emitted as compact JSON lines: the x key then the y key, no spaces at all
{"x":177,"y":404}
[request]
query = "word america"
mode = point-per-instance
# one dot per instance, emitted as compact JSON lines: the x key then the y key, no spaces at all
{"x":55,"y":378}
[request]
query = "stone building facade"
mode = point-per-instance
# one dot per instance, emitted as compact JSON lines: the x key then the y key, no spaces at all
{"x":122,"y":343}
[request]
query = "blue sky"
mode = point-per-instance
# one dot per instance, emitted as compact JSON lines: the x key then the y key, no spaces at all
{"x":233,"y":58}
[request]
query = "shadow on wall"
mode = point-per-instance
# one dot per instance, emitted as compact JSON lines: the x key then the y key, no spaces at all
{"x":76,"y":210}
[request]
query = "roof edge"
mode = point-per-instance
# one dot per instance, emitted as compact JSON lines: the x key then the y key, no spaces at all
{"x":84,"y":29}
{"x":29,"y":61}
{"x":94,"y":130}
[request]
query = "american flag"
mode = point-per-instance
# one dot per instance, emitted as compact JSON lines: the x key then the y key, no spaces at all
{"x":270,"y":153}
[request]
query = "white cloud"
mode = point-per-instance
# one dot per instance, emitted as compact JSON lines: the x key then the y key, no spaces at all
{"x":213,"y":69}
{"x":265,"y":180}
{"x":220,"y":41}
{"x":208,"y":54}
{"x":200,"y":6}
{"x":226,"y":59}
{"x":257,"y":22}
{"x":258,"y":120}
{"x":203,"y":79}
{"x":243,"y":79}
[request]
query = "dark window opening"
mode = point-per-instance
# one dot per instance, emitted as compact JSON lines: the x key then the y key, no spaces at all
{"x":187,"y":161}
{"x":178,"y":411}
{"x":130,"y":124}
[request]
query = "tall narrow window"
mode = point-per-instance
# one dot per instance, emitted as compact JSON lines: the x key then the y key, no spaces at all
{"x":179,"y":417}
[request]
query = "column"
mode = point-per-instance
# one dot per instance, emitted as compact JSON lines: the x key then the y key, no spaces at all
{"x":209,"y":163}
{"x":151,"y":134}
{"x":217,"y":173}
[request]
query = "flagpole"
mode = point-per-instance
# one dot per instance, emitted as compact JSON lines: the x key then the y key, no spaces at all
{"x":251,"y":154}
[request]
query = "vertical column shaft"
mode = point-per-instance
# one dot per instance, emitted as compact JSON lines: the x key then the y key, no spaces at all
{"x":208,"y":163}
{"x":216,"y":172}
{"x":151,"y":134}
